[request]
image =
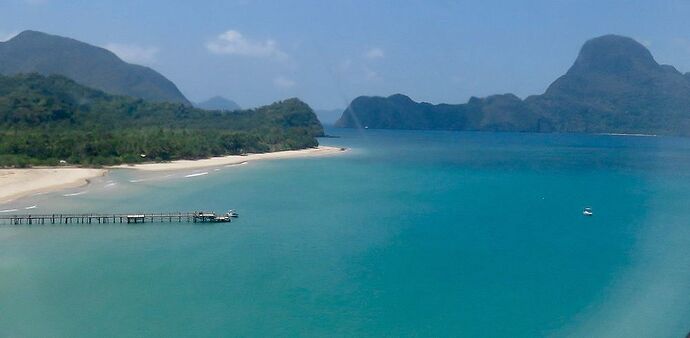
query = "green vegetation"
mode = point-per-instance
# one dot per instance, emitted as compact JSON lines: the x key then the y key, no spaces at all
{"x":91,"y":66}
{"x":44,"y":120}
{"x":614,"y":86}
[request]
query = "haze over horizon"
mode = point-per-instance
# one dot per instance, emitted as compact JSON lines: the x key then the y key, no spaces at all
{"x":256,"y":52}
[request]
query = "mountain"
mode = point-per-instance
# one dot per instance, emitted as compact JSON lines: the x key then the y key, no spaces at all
{"x":47,"y":119}
{"x":497,"y":113}
{"x":36,"y":52}
{"x":614,"y":86}
{"x":218,"y":103}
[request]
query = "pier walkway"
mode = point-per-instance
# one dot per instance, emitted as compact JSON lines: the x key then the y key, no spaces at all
{"x":204,"y":217}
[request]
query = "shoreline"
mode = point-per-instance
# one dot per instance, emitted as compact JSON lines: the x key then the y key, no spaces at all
{"x":19,"y":183}
{"x":230,"y":159}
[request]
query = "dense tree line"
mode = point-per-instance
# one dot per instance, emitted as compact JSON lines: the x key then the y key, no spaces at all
{"x":44,"y":120}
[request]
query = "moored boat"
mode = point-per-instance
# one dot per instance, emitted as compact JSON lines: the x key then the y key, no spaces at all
{"x":587,"y":211}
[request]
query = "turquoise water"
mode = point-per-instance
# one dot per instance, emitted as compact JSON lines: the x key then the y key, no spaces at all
{"x":408,"y":234}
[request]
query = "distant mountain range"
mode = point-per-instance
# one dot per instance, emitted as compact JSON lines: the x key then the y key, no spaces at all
{"x":218,"y":103}
{"x":614,"y":86}
{"x":36,"y":52}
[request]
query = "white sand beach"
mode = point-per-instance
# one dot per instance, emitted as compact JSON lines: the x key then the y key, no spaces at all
{"x":16,"y":183}
{"x":231,"y":160}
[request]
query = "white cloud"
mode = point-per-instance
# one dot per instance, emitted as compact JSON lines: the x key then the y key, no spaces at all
{"x":4,"y":36}
{"x":371,"y":75}
{"x":233,"y":42}
{"x":133,"y":53}
{"x":356,"y":71}
{"x":283,"y":82}
{"x":375,"y":53}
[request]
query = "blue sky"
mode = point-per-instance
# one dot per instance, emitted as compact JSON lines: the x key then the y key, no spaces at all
{"x":328,"y":52}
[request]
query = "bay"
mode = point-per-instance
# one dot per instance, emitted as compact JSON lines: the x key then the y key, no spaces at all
{"x":409,"y":233}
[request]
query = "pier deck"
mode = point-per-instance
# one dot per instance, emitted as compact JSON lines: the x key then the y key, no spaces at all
{"x":195,"y":217}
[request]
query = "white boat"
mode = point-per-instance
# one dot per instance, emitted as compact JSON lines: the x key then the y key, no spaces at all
{"x":221,"y":219}
{"x":587,"y":211}
{"x":207,"y":216}
{"x":232,"y":213}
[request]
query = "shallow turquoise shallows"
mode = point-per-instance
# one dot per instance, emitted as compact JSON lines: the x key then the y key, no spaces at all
{"x":426,"y":234}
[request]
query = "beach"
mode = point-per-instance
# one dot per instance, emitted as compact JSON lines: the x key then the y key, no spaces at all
{"x":16,"y":183}
{"x":231,"y":160}
{"x":424,"y":231}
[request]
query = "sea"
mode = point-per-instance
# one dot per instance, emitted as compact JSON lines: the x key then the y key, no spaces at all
{"x":406,"y":234}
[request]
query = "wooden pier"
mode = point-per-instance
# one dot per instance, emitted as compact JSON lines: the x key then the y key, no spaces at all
{"x":194,"y":217}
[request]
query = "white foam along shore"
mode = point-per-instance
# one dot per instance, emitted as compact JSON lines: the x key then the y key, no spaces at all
{"x":231,"y":160}
{"x":17,"y":183}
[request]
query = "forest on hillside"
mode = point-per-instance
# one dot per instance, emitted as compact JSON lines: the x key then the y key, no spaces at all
{"x":45,"y":120}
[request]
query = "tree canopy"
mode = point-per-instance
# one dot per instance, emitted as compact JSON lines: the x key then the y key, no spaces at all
{"x":44,"y":120}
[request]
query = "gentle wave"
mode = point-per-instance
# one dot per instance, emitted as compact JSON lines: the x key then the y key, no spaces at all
{"x":9,"y":210}
{"x":136,"y":181}
{"x":236,"y":164}
{"x":75,"y":194}
{"x":625,"y":134}
{"x":197,"y":174}
{"x":31,"y":207}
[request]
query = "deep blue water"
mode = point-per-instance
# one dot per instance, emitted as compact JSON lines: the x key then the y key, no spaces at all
{"x":409,"y":233}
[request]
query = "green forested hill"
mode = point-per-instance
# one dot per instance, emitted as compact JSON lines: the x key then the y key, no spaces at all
{"x":47,"y":119}
{"x":614,"y":86}
{"x":95,"y":67}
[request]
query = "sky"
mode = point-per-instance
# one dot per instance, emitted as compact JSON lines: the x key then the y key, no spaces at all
{"x":329,"y":52}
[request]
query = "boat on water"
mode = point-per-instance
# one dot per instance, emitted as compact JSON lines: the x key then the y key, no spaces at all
{"x":587,"y":211}
{"x":212,"y":217}
{"x":221,"y":219}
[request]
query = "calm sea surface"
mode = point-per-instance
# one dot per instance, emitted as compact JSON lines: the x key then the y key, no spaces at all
{"x":410,"y":233}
